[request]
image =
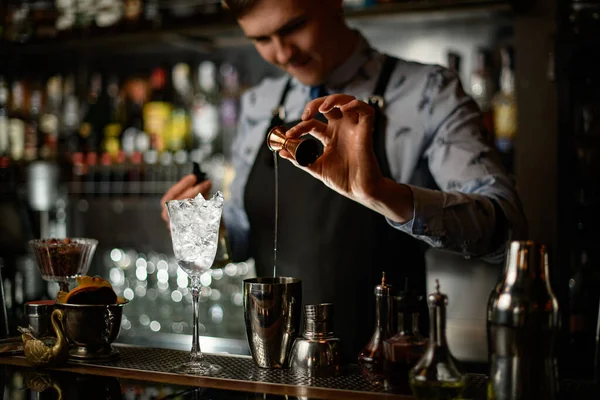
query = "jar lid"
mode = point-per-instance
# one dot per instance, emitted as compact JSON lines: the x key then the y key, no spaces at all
{"x":383,"y":289}
{"x":39,"y":307}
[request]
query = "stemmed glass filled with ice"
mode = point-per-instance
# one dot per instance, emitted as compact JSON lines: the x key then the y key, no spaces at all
{"x":195,"y":232}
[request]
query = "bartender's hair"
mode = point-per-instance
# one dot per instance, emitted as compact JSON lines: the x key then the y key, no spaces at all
{"x":239,"y":8}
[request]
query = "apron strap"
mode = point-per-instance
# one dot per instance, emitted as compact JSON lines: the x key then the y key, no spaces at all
{"x":278,"y":117}
{"x":379,"y":124}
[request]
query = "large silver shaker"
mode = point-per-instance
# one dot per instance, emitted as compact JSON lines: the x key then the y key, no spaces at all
{"x":272,"y":308}
{"x":523,"y":327}
{"x":317,"y":352}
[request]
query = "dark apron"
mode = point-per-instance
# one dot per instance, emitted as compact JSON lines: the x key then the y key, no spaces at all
{"x":337,"y":247}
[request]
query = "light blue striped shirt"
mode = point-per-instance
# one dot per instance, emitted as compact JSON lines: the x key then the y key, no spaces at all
{"x":434,"y":144}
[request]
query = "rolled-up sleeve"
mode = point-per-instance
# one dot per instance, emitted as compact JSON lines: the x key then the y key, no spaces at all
{"x":477,"y":209}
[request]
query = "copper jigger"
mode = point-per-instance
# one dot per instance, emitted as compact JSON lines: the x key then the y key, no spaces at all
{"x":305,"y":149}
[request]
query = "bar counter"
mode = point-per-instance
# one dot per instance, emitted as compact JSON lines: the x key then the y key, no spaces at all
{"x":142,"y":370}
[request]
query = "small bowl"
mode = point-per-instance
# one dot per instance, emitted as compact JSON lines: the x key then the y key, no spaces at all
{"x":62,"y":260}
{"x":90,"y":330}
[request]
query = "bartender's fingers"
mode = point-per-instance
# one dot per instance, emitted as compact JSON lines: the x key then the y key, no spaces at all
{"x":187,"y":193}
{"x":317,"y":128}
{"x":175,"y":191}
{"x":364,"y":111}
{"x":325,"y":105}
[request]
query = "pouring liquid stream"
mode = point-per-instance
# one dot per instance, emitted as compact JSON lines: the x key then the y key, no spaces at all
{"x":275,"y":159}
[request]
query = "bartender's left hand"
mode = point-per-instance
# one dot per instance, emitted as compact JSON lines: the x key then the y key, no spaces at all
{"x":348,"y":164}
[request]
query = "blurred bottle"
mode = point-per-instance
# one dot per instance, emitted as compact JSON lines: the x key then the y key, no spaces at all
{"x":70,"y":116}
{"x":205,"y":111}
{"x":179,"y":127}
{"x":157,"y":111}
{"x":132,"y":14}
{"x":135,"y":174}
{"x":105,"y":175}
{"x":84,"y":17}
{"x":32,"y":133}
{"x":44,"y":15}
{"x":505,"y":109}
{"x":90,"y":128}
{"x":133,"y":137}
{"x":482,"y":89}
{"x":16,"y":123}
{"x":49,"y":120}
{"x":66,"y":18}
{"x":4,"y":137}
{"x":111,"y":142}
{"x":152,"y":18}
{"x":19,"y":23}
{"x":108,"y":15}
{"x":151,"y":173}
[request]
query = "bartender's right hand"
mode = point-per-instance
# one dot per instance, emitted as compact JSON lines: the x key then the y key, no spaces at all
{"x":186,"y":188}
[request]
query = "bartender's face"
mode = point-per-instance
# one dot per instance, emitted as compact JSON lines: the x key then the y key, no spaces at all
{"x":298,"y":36}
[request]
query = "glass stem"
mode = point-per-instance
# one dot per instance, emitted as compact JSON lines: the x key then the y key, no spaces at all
{"x":196,"y":353}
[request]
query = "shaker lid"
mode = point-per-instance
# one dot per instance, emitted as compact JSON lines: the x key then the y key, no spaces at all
{"x":383,"y":289}
{"x":318,"y":312}
{"x":437,"y":298}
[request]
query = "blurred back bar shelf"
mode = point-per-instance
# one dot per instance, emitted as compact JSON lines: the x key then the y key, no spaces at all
{"x":105,"y":117}
{"x":187,"y":23}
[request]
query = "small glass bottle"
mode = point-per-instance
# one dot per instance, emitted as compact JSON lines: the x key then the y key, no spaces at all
{"x":403,"y":350}
{"x":371,"y":358}
{"x":437,"y":375}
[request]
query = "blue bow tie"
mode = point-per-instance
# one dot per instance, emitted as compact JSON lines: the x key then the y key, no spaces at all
{"x":317,"y":91}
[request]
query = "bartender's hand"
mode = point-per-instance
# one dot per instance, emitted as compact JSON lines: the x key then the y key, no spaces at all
{"x":186,"y":188}
{"x":348,"y":164}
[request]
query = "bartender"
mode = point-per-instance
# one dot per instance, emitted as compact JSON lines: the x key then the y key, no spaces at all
{"x":405,"y":166}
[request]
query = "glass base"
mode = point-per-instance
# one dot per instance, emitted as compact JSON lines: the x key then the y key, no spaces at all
{"x":198,"y":368}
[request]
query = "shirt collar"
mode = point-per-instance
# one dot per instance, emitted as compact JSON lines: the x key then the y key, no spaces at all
{"x":349,"y":69}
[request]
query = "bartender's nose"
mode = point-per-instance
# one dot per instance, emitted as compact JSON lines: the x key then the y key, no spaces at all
{"x":283,"y":51}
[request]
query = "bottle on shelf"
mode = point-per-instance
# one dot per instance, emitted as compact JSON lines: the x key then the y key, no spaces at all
{"x":90,"y":128}
{"x":50,"y":119}
{"x":107,"y":16}
{"x":179,"y":127}
{"x":157,"y":111}
{"x":65,"y":19}
{"x":16,"y":122}
{"x":482,"y":90}
{"x":205,"y":111}
{"x":70,"y":116}
{"x":504,"y":106}
{"x":111,"y":142}
{"x":44,"y":14}
{"x":32,"y":132}
{"x":4,"y":137}
{"x":132,"y":14}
